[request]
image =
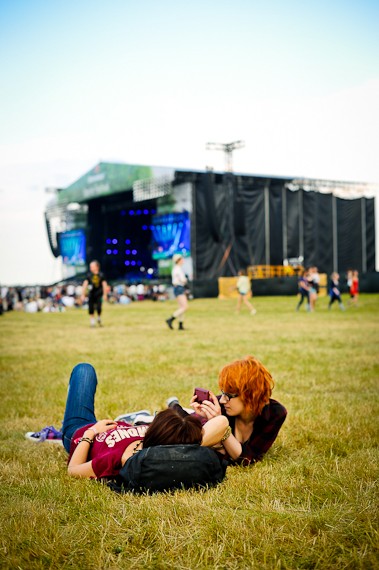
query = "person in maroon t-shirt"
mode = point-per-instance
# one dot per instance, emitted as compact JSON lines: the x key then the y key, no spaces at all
{"x":99,"y":449}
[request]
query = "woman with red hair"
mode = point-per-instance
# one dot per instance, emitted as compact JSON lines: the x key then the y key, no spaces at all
{"x":254,"y":417}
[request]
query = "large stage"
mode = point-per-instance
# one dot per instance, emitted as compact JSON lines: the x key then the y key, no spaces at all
{"x":134,"y":218}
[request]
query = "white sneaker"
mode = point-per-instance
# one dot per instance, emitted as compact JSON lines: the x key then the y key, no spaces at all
{"x":143,"y":419}
{"x":129,"y":418}
{"x":253,"y":312}
{"x":172,"y":400}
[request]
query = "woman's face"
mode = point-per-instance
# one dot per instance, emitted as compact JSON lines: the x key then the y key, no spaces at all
{"x":233,"y":406}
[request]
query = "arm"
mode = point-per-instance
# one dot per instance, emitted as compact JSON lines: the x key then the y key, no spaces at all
{"x":84,"y":288}
{"x":78,"y":465}
{"x":232,"y":447}
{"x":214,"y":430}
{"x":266,"y":429}
{"x":105,"y":289}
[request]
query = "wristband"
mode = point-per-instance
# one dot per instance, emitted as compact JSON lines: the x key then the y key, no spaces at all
{"x":228,"y":433}
{"x":87,"y":439}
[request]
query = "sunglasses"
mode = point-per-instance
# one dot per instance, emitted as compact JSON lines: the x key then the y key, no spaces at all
{"x":228,"y":396}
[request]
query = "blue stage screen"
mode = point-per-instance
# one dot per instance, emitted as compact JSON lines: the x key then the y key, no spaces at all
{"x":171,"y":234}
{"x":72,"y":246}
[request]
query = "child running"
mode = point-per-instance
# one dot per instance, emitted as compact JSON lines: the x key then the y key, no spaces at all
{"x":334,"y":291}
{"x":244,"y":289}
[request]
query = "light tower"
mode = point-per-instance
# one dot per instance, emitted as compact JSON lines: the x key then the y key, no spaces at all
{"x":228,"y":150}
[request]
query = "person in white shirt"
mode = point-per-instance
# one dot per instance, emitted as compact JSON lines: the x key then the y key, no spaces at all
{"x":179,"y":280}
{"x":244,"y":289}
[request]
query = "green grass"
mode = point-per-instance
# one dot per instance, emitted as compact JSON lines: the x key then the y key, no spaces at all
{"x":312,"y":502}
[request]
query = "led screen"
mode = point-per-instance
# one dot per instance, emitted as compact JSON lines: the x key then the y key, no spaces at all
{"x":72,"y":246}
{"x":171,"y":234}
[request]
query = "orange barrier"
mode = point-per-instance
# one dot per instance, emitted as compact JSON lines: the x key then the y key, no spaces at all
{"x":227,"y":288}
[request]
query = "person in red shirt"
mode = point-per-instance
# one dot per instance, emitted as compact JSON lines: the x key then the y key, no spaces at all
{"x":99,"y":449}
{"x":354,"y":288}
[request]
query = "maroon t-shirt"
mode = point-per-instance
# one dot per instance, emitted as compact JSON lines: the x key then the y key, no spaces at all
{"x":107,"y":447}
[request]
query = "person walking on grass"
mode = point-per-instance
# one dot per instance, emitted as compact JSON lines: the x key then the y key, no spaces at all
{"x":334,"y":291}
{"x":179,"y":281}
{"x":244,"y":290}
{"x":354,"y":288}
{"x":304,"y":288}
{"x":98,"y":289}
{"x":99,"y":449}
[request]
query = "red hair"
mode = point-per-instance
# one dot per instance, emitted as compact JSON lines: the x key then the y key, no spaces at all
{"x":169,"y":428}
{"x":250,"y":380}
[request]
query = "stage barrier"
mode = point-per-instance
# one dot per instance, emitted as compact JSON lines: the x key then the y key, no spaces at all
{"x":227,"y":288}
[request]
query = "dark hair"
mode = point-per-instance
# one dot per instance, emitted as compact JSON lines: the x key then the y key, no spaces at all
{"x":169,"y":428}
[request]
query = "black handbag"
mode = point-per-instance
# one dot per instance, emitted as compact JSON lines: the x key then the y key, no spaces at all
{"x":168,"y":467}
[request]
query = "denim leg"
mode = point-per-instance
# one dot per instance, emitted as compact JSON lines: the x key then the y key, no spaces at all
{"x":80,"y":404}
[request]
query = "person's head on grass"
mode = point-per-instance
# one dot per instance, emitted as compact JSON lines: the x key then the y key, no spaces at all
{"x":169,"y":428}
{"x":246,"y":387}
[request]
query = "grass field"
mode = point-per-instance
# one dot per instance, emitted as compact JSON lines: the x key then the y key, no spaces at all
{"x":311,"y":503}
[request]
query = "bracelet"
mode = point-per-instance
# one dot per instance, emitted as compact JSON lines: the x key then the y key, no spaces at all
{"x":92,"y":429}
{"x":228,"y":432}
{"x":135,"y":448}
{"x":87,"y":439}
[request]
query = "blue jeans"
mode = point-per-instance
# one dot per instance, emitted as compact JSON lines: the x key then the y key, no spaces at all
{"x":179,"y":290}
{"x":80,"y":404}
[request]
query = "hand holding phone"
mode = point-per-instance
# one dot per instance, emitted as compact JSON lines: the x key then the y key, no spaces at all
{"x":201,"y":395}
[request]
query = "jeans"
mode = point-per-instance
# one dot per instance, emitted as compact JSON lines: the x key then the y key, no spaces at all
{"x":179,"y":290}
{"x":80,"y":404}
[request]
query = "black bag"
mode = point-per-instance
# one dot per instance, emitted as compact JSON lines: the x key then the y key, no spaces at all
{"x":167,"y":467}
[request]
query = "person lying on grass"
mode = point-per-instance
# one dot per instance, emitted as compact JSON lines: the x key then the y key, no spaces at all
{"x":99,"y":449}
{"x":254,"y":418}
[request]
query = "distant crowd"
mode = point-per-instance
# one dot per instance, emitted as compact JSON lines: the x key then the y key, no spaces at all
{"x":309,"y":288}
{"x":58,"y":297}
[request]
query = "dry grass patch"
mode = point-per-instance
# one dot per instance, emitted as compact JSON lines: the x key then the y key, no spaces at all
{"x":312,"y":503}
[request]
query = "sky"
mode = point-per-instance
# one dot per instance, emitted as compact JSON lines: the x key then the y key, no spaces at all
{"x":151,"y":82}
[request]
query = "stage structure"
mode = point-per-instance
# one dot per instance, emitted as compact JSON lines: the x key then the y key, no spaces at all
{"x":134,"y":218}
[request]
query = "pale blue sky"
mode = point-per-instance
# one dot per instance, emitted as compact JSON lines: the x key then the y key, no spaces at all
{"x":151,"y":82}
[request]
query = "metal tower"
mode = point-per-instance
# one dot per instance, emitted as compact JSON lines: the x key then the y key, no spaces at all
{"x":228,"y":149}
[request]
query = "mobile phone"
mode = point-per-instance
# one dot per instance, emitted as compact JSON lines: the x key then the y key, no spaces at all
{"x":201,"y":395}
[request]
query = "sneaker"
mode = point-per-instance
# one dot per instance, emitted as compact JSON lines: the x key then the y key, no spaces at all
{"x":172,"y":401}
{"x":129,"y":418}
{"x":48,"y":434}
{"x":253,"y":312}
